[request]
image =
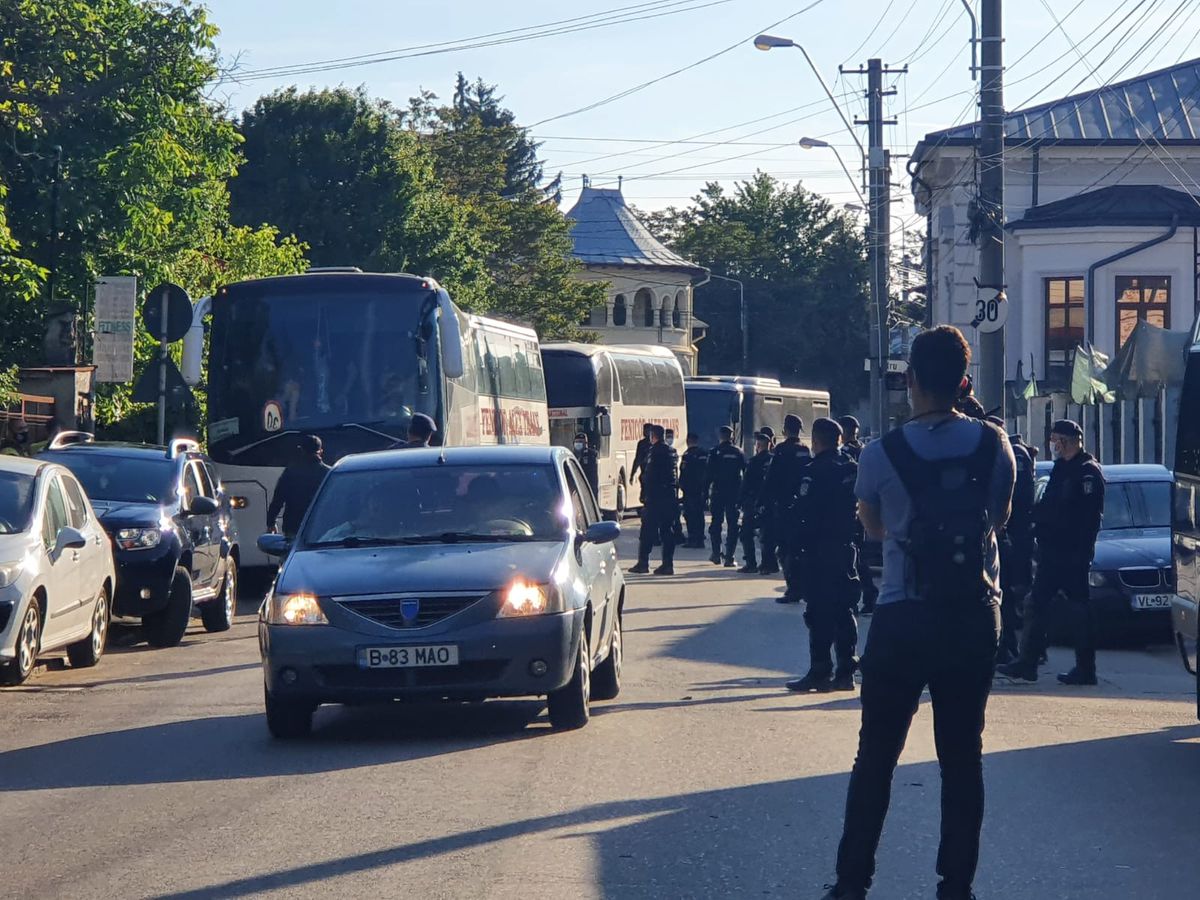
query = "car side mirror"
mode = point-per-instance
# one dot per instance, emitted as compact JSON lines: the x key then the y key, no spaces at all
{"x":602,"y":533}
{"x":238,"y":502}
{"x":69,"y":539}
{"x":202,"y":506}
{"x":276,"y":545}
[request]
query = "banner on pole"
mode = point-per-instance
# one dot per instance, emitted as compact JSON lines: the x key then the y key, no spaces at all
{"x":116,"y":308}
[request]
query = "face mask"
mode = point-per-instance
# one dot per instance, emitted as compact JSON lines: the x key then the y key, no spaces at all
{"x":578,"y":447}
{"x":671,"y":442}
{"x":1055,"y":452}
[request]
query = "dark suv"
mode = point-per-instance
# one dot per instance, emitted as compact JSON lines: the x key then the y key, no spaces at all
{"x":174,"y":540}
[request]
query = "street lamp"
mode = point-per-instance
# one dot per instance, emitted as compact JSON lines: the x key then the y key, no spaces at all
{"x":807,"y":143}
{"x":743,"y":316}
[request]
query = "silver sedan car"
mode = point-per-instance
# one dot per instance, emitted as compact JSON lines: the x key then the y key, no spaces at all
{"x":456,"y":574}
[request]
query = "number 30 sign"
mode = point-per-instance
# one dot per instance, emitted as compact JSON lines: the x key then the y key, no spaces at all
{"x":990,"y":314}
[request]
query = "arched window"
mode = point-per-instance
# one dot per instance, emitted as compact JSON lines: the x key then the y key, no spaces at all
{"x":643,"y":308}
{"x":618,"y":315}
{"x":677,"y":313}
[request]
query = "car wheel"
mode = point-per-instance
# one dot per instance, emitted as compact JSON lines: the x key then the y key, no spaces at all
{"x":569,"y":704}
{"x":606,"y":680}
{"x":29,"y":641}
{"x":288,"y":719}
{"x":217,"y":615}
{"x":167,"y":626}
{"x":87,"y":652}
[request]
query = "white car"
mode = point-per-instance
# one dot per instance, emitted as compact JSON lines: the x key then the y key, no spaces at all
{"x":56,"y":569}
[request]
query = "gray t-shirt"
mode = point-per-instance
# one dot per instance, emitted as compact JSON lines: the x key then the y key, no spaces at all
{"x":880,"y":486}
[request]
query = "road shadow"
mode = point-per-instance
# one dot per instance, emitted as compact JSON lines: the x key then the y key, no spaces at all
{"x":219,"y":748}
{"x":1100,"y":819}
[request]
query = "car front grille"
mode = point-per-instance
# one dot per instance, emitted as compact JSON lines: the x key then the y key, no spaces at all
{"x":1140,"y":578}
{"x":467,"y":673}
{"x":410,"y":612}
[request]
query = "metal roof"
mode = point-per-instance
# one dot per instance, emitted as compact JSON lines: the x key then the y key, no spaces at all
{"x":1159,"y":105}
{"x":606,"y":233}
{"x":1119,"y":204}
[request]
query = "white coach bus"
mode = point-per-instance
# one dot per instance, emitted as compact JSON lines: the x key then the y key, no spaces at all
{"x":609,"y":392}
{"x":351,"y":357}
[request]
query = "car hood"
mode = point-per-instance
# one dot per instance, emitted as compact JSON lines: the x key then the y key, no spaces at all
{"x":13,"y":546}
{"x":1121,"y":548}
{"x":119,"y":514}
{"x":424,"y":567}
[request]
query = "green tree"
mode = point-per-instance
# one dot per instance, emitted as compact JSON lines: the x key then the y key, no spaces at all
{"x":804,"y":268}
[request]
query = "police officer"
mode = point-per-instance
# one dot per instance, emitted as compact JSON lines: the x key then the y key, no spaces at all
{"x":766,"y":523}
{"x":756,"y":472}
{"x":660,"y":491}
{"x":639,"y":453}
{"x":851,"y":445}
{"x":692,"y":482}
{"x":823,"y":527}
{"x":723,"y":476}
{"x":677,"y":528}
{"x":852,"y":448}
{"x":779,"y":487}
{"x":298,"y":485}
{"x":1066,"y":520}
{"x":420,"y":432}
{"x":1016,"y":548}
{"x":587,"y":461}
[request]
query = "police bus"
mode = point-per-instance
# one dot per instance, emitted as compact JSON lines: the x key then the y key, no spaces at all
{"x":747,"y":404}
{"x":351,"y":357}
{"x":609,"y":393}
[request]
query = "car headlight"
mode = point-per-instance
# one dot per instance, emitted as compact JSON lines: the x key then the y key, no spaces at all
{"x":1097,"y":579}
{"x":138,"y":538}
{"x":523,"y":598}
{"x":294,"y":609}
{"x":10,"y":572}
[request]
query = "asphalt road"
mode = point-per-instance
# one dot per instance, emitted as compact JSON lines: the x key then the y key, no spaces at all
{"x":153,"y":776}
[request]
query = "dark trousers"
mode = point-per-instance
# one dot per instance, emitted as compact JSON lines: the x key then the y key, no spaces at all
{"x":750,"y":530}
{"x":1070,"y":576}
{"x":912,"y":646}
{"x":693,"y":516}
{"x":770,"y":539}
{"x":658,"y":526}
{"x":724,"y":509}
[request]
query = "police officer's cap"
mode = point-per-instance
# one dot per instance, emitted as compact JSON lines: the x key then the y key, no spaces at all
{"x":310,"y":443}
{"x":793,"y":424}
{"x":725,"y":431}
{"x":762,"y":436}
{"x":1067,"y":428}
{"x":422,"y":424}
{"x":826,"y":430}
{"x":848,"y":423}
{"x":766,"y":431}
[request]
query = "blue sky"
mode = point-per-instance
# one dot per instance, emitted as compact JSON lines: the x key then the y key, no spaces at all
{"x":745,"y":103}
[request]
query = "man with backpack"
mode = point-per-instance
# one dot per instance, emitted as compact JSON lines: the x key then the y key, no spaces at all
{"x":935,"y":491}
{"x":825,"y":529}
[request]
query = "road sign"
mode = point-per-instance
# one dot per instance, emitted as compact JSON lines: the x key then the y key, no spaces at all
{"x":179,"y":312}
{"x":990,"y":313}
{"x":897,"y":365}
{"x":146,"y":388}
{"x":112,"y":344}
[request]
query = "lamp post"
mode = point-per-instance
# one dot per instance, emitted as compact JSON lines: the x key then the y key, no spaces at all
{"x":743,"y":316}
{"x":807,"y":143}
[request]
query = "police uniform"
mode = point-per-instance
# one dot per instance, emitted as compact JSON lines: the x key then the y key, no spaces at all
{"x":692,"y":482}
{"x":1066,"y":521}
{"x":723,"y":475}
{"x":823,"y":528}
{"x":1016,"y":548}
{"x":779,"y":487}
{"x":660,"y":491}
{"x":756,"y":472}
{"x":639,"y":457}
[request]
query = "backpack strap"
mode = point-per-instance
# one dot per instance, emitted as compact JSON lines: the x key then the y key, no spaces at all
{"x":983,"y":459}
{"x":915,"y":473}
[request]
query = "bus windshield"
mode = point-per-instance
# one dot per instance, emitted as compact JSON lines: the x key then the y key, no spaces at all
{"x":707,"y":411}
{"x":324,"y":355}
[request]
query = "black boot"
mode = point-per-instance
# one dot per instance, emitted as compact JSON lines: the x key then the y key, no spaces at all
{"x":837,"y":893}
{"x":665,"y":569}
{"x":843,"y":678}
{"x":642,"y":568}
{"x":1077,"y":677}
{"x":1018,"y":671}
{"x":749,"y":569}
{"x":821,"y":682}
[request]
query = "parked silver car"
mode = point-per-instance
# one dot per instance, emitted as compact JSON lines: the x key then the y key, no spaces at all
{"x":463,"y":573}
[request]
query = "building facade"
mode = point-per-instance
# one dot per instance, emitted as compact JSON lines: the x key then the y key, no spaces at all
{"x":649,"y":299}
{"x":1102,"y":211}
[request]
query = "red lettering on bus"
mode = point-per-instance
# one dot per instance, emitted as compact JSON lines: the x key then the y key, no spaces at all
{"x":631,"y":429}
{"x":516,"y":422}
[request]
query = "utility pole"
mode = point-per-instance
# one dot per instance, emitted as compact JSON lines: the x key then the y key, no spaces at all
{"x":991,"y":200}
{"x":879,"y":210}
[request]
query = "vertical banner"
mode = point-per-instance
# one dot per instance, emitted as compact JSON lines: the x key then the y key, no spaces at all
{"x":112,"y":349}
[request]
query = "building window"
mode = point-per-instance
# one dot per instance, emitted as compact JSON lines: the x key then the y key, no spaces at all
{"x":1064,"y":320}
{"x":1142,"y":297}
{"x":618,"y":313}
{"x":643,"y":308}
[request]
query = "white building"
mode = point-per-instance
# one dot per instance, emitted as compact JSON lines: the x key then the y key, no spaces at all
{"x":649,"y":297}
{"x":1102,"y":211}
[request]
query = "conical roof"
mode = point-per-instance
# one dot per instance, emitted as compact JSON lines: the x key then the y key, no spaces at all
{"x":606,"y":233}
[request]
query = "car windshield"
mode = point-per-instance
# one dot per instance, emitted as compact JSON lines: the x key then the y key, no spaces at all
{"x":16,"y":502}
{"x":125,"y":479}
{"x":443,"y":503}
{"x":1137,"y":504}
